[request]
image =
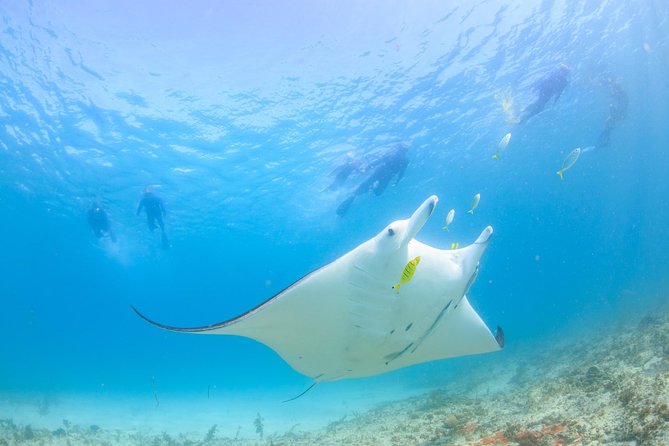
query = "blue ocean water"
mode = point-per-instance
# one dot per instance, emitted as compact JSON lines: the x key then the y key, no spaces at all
{"x":237,"y":113}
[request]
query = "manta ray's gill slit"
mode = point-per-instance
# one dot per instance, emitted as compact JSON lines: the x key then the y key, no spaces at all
{"x":409,"y":326}
{"x":366,"y":275}
{"x":363,"y":270}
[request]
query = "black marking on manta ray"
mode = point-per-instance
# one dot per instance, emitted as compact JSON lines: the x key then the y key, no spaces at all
{"x":408,"y":326}
{"x":434,"y":324}
{"x":235,"y":319}
{"x":392,"y":356}
{"x":499,"y":336}
{"x":470,"y":282}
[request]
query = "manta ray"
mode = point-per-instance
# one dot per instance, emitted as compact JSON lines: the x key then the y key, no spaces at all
{"x":345,"y":320}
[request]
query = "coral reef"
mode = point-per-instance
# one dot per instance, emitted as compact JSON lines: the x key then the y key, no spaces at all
{"x":610,"y":390}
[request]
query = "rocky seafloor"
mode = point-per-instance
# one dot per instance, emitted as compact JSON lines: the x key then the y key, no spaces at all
{"x":611,"y":389}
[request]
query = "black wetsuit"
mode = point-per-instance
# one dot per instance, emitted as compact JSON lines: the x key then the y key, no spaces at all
{"x":155,"y":211}
{"x":551,"y":85}
{"x":393,"y":162}
{"x":617,"y":110}
{"x":99,"y":222}
{"x":343,"y":171}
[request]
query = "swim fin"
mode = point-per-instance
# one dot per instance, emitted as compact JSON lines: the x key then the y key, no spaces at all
{"x":343,"y":207}
{"x":165,"y":241}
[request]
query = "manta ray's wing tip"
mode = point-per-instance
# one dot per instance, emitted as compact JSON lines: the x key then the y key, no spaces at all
{"x":158,"y":324}
{"x":212,"y":328}
{"x":146,"y":318}
{"x":499,"y":336}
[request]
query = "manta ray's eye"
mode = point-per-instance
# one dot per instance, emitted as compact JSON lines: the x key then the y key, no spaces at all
{"x":391,"y":231}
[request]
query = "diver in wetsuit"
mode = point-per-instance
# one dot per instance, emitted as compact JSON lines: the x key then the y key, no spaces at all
{"x":392,"y":162}
{"x":99,"y":221}
{"x":549,"y":86}
{"x":155,"y":211}
{"x":352,"y":163}
{"x":618,"y":102}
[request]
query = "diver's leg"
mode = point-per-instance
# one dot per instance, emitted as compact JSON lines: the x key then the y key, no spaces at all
{"x":165,"y":240}
{"x":151,"y":222}
{"x":163,"y":235}
{"x":345,"y":205}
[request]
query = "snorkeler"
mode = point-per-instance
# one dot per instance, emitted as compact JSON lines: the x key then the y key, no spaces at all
{"x":155,"y":211}
{"x":550,"y":86}
{"x":99,"y":221}
{"x":352,"y":163}
{"x":618,"y":102}
{"x":392,"y":162}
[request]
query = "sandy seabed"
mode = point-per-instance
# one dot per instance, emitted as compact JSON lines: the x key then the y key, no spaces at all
{"x":612,"y":389}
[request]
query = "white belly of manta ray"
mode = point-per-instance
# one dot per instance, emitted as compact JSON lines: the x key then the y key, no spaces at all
{"x":345,"y":320}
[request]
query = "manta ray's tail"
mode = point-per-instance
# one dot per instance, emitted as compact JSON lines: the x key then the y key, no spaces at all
{"x":296,"y":397}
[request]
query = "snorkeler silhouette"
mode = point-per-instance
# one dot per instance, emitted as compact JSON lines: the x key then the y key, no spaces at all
{"x":98,"y":220}
{"x":341,"y":173}
{"x":155,"y":211}
{"x":391,"y":162}
{"x":618,"y":102}
{"x":549,"y":86}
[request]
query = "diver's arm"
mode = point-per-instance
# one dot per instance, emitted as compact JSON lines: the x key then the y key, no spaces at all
{"x":140,"y":206}
{"x":559,"y":93}
{"x":400,"y":173}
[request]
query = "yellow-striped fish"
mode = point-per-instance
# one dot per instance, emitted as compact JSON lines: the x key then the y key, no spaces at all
{"x":407,"y":274}
{"x":455,"y":245}
{"x":569,"y":161}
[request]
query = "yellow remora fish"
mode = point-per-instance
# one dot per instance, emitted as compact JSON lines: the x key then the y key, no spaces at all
{"x":475,"y":203}
{"x":501,"y":147}
{"x":407,"y":274}
{"x":569,"y":161}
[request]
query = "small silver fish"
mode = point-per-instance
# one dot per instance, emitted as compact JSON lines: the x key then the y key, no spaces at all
{"x":501,"y":147}
{"x":475,"y":203}
{"x":449,"y":218}
{"x":569,"y":161}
